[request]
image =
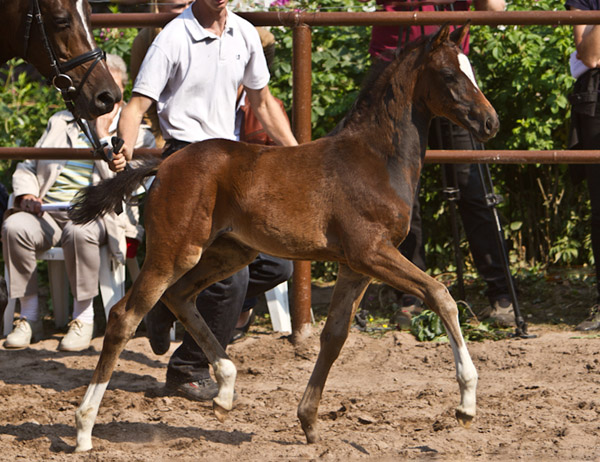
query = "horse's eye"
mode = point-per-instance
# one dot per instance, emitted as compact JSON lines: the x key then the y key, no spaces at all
{"x":62,"y":22}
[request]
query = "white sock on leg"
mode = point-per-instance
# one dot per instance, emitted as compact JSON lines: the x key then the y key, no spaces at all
{"x":29,"y":307}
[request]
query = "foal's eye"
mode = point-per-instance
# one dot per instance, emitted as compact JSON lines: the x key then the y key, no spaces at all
{"x":449,"y":76}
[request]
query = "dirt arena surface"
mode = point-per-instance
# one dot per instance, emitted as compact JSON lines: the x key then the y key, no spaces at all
{"x":387,"y":398}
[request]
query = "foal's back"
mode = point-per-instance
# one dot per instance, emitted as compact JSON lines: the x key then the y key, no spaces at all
{"x":280,"y":200}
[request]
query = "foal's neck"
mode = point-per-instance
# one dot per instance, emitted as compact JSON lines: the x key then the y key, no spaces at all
{"x":398,"y":127}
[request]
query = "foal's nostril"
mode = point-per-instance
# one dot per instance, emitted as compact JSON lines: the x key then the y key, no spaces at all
{"x":490,"y":125}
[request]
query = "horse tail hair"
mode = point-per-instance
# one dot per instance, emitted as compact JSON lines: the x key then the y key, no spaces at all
{"x":106,"y":196}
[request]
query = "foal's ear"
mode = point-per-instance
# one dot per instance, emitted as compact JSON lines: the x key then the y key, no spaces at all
{"x":458,"y":35}
{"x":440,"y":37}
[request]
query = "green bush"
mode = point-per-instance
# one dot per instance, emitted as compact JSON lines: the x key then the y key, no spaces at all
{"x":340,"y":60}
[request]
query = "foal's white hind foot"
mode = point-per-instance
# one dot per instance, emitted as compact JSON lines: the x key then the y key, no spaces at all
{"x":85,"y":416}
{"x":466,"y":375}
{"x":225,"y":373}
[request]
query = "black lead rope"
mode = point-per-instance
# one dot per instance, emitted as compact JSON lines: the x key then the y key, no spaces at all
{"x":89,"y":131}
{"x":117,"y":144}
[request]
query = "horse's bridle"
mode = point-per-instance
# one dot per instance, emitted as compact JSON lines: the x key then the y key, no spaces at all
{"x":61,"y":80}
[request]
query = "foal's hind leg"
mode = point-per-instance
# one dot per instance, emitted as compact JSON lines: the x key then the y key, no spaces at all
{"x":223,"y":258}
{"x":386,"y":263}
{"x":161,"y":269}
{"x":348,"y":291}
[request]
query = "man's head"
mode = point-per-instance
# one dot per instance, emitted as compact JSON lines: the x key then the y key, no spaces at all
{"x":173,"y":6}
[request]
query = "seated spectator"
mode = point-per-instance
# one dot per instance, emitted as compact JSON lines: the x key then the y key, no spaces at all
{"x":28,"y":229}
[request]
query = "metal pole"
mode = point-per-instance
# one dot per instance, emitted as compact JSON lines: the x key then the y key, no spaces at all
{"x":301,"y":112}
{"x":492,"y":200}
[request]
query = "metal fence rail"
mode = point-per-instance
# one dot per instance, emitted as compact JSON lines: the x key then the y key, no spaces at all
{"x":379,"y":18}
{"x":497,"y":156}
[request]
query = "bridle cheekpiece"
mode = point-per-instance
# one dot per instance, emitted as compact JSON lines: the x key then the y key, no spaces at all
{"x":61,"y":79}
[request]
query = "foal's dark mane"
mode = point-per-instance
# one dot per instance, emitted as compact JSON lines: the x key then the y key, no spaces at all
{"x":376,"y":82}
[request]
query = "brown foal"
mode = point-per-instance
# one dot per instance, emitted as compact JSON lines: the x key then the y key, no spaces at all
{"x":346,"y":197}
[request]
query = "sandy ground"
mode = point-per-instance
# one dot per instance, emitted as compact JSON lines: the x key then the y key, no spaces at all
{"x":387,"y":398}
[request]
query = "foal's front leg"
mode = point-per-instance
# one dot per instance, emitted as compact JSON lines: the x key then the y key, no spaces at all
{"x":387,"y":264}
{"x":349,"y":290}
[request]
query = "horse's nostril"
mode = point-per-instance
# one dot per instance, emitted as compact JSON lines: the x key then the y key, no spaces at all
{"x":107,"y":99}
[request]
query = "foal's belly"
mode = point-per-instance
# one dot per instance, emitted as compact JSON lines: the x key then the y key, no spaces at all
{"x":292,"y":240}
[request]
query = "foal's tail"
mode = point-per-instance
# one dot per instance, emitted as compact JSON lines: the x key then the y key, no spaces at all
{"x":106,"y":196}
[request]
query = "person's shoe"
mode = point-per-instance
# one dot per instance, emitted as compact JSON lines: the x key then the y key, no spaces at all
{"x":409,"y":306}
{"x":78,"y":337}
{"x":592,"y":322}
{"x":205,"y":389}
{"x":158,"y":330}
{"x":23,"y":333}
{"x":500,"y":313}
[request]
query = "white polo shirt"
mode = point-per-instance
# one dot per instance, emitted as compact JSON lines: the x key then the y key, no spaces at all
{"x":193,"y":75}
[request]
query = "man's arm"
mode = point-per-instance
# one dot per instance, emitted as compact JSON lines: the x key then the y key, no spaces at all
{"x":128,"y":129}
{"x":490,"y":5}
{"x":271,"y":116}
{"x":587,"y":42}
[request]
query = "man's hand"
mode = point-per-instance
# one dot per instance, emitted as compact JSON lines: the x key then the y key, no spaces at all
{"x":31,"y":204}
{"x":118,"y":162}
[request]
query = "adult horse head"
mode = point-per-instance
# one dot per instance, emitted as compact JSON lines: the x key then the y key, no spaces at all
{"x":55,"y":36}
{"x":346,"y":197}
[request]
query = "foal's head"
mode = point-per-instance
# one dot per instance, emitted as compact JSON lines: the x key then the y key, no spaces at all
{"x":431,"y":75}
{"x":446,"y":85}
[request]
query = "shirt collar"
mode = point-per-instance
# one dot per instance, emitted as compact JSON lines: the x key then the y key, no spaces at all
{"x":199,"y":33}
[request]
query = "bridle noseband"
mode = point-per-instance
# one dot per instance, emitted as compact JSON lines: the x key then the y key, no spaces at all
{"x":61,"y":80}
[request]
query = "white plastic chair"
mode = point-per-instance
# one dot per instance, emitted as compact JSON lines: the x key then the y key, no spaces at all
{"x":279,"y":308}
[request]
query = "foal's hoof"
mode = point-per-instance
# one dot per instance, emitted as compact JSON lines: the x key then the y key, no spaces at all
{"x":311,"y":435}
{"x":220,"y":412}
{"x":464,"y":419}
{"x":83,"y":445}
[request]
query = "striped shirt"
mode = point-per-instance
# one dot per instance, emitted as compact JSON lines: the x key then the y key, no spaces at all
{"x":75,"y":175}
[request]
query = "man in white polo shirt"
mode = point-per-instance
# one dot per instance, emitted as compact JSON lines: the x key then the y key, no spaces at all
{"x":193,"y":70}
